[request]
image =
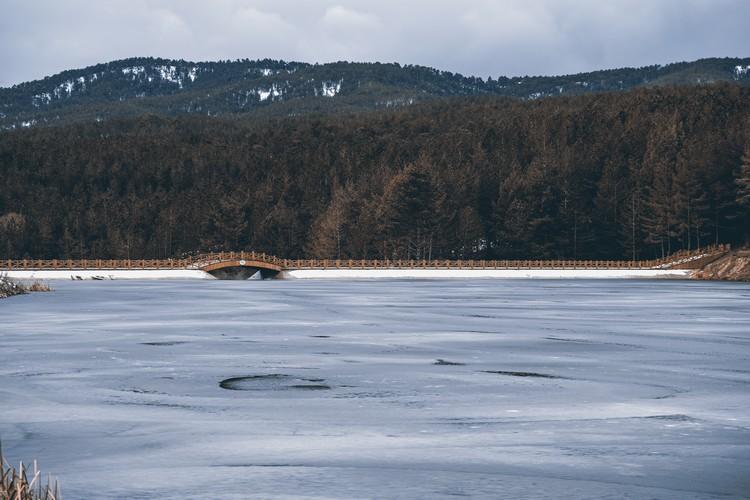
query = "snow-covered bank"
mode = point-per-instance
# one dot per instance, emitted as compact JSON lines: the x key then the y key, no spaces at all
{"x":9,"y":288}
{"x":486,"y":273}
{"x":119,"y":274}
{"x":140,"y":274}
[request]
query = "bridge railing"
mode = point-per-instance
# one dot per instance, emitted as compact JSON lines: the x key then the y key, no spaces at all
{"x":679,"y":260}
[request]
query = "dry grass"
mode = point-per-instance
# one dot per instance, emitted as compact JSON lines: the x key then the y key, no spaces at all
{"x":25,"y":484}
{"x":9,"y":288}
{"x":38,"y":286}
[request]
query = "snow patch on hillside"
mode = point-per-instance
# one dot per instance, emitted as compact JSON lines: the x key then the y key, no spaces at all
{"x":271,"y":93}
{"x":169,"y":73}
{"x":134,"y":71}
{"x":401,"y":101}
{"x":163,"y":72}
{"x":41,"y":99}
{"x":740,"y":71}
{"x":330,"y":88}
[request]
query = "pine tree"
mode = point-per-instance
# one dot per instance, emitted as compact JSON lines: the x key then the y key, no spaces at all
{"x":743,"y":182}
{"x":331,"y":229}
{"x":407,"y":214}
{"x":743,"y":189}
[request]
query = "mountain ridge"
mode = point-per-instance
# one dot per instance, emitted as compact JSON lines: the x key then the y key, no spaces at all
{"x":168,"y":87}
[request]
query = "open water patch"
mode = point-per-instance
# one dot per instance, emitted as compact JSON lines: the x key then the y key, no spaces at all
{"x":165,"y":343}
{"x":522,"y":374}
{"x":443,"y":362}
{"x":273,"y":382}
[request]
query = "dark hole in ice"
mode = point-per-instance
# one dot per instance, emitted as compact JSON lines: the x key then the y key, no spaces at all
{"x":272,"y":382}
{"x":521,"y":374}
{"x":174,"y":342}
{"x":142,"y":391}
{"x":676,"y":417}
{"x":443,"y":362}
{"x":562,"y":339}
{"x":240,"y":383}
{"x":320,"y":336}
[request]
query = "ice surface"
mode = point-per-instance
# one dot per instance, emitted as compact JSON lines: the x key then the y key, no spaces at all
{"x":435,"y":389}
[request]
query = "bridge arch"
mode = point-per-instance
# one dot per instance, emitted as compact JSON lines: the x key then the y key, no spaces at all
{"x":240,"y":268}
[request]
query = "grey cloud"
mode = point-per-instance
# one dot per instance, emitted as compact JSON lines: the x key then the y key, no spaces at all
{"x":482,"y":37}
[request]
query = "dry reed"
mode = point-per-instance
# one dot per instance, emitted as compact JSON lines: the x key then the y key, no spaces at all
{"x":24,"y":483}
{"x":9,"y":287}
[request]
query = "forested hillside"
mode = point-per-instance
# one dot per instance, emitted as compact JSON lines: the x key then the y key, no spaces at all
{"x":165,"y":87}
{"x":614,"y":175}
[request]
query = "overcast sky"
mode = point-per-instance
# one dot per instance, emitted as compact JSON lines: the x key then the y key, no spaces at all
{"x":479,"y":37}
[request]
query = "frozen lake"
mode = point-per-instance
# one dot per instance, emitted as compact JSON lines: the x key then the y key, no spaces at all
{"x":381,"y":389}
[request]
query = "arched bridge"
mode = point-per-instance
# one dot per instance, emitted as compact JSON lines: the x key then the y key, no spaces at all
{"x":238,"y":265}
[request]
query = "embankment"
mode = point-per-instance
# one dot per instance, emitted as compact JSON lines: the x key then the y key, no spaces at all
{"x":485,"y":273}
{"x":734,"y":266}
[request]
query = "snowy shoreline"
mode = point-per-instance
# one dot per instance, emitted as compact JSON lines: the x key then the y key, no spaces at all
{"x":485,"y":273}
{"x":117,"y":274}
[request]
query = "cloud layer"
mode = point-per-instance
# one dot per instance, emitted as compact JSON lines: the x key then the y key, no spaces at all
{"x":481,"y":37}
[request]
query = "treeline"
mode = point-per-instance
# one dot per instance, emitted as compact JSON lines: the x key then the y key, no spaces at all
{"x":268,"y":88}
{"x":628,"y":175}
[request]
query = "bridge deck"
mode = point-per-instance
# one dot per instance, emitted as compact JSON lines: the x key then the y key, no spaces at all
{"x":208,"y":262}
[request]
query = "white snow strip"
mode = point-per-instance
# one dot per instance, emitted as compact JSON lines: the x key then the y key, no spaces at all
{"x":485,"y":273}
{"x":87,"y":274}
{"x":67,"y":274}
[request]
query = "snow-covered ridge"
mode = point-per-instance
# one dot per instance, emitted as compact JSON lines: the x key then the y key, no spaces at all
{"x":161,"y":73}
{"x":164,"y":73}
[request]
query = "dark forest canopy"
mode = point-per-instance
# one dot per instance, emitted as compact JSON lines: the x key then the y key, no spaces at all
{"x":620,"y":175}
